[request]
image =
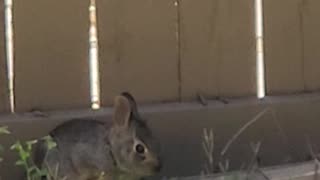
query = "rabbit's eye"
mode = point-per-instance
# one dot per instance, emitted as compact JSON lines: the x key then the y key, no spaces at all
{"x":140,"y":149}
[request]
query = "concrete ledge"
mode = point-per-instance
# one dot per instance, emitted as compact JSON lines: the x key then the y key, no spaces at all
{"x":180,"y":126}
{"x":299,"y":171}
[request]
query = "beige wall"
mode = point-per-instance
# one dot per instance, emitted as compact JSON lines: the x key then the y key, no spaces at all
{"x":217,"y":48}
{"x":311,"y":25}
{"x":138,"y":49}
{"x":292,"y":43}
{"x":160,"y":51}
{"x":51,"y":54}
{"x":4,"y":98}
{"x":140,"y":52}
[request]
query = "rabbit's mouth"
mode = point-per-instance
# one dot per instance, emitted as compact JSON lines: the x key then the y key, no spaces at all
{"x":157,"y":168}
{"x":151,"y":170}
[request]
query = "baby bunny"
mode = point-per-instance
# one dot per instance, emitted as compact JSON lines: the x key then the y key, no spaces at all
{"x":94,"y":150}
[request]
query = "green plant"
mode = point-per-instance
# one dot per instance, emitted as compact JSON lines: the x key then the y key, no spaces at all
{"x":24,"y":150}
{"x":3,"y":130}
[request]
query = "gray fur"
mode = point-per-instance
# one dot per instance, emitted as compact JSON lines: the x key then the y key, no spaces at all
{"x":87,"y":148}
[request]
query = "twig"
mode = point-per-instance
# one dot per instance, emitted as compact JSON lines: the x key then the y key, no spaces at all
{"x":315,"y":158}
{"x":263,"y":174}
{"x":242,"y":129}
{"x":283,"y":134}
{"x":255,"y":149}
{"x":224,"y":167}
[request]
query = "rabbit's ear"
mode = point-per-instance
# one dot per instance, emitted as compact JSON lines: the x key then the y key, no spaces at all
{"x":122,"y":111}
{"x":133,"y":104}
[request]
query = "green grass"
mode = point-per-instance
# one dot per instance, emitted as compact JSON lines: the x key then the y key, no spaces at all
{"x":24,"y":151}
{"x":3,"y":130}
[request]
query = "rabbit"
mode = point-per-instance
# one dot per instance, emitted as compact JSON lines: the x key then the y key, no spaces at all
{"x":91,"y":150}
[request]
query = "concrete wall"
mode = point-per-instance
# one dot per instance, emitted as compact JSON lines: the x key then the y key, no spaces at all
{"x":180,"y":127}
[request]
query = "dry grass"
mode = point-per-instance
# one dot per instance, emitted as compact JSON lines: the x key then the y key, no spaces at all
{"x":252,"y":169}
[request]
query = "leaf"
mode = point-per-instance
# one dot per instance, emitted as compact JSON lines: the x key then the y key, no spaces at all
{"x":24,"y":155}
{"x":16,"y":146}
{"x":43,"y":172}
{"x":34,"y":170}
{"x":31,"y":169}
{"x":4,"y":130}
{"x":50,"y":142}
{"x":30,"y":144}
{"x":51,"y":145}
{"x":20,"y":163}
